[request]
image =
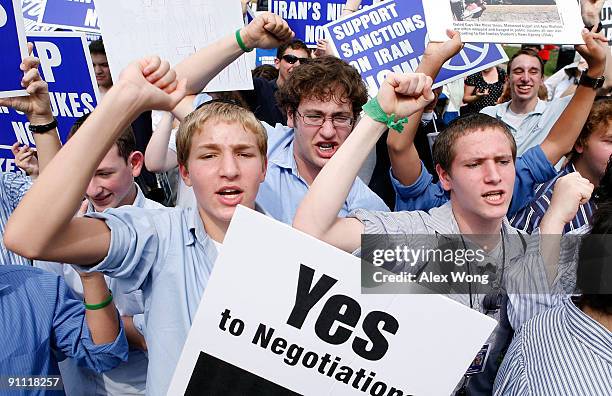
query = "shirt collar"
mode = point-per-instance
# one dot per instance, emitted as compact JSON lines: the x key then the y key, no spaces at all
{"x":195,"y":226}
{"x":445,"y":221}
{"x":283,"y":157}
{"x":505,"y":107}
{"x":588,"y":331}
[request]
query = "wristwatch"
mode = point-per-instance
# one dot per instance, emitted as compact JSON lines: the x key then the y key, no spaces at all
{"x":43,"y":128}
{"x":591,"y":82}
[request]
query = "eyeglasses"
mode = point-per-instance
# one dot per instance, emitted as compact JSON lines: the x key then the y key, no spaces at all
{"x":291,"y":59}
{"x":338,"y":121}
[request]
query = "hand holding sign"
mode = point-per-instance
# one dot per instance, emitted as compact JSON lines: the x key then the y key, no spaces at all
{"x":37,"y":105}
{"x":590,"y":11}
{"x":152,"y":83}
{"x":405,"y":94}
{"x":266,"y":31}
{"x":25,"y":159}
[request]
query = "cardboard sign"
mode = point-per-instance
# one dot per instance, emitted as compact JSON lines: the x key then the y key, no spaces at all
{"x":13,"y":48}
{"x":69,"y":14}
{"x":392,"y":36}
{"x":307,"y":18}
{"x":172,"y":29}
{"x":283,"y":313}
{"x":65,"y":64}
{"x":520,"y":21}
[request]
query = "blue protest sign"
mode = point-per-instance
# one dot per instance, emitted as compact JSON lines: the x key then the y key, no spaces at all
{"x":392,"y":36}
{"x":306,"y":18}
{"x":13,"y":48}
{"x":70,"y":14}
{"x":65,"y":64}
{"x":265,"y":56}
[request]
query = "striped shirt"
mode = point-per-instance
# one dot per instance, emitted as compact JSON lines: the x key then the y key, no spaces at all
{"x":529,"y":218}
{"x":560,"y":352}
{"x":13,"y":187}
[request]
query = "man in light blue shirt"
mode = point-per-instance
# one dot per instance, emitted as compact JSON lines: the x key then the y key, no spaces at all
{"x":323,"y":99}
{"x":167,"y":253}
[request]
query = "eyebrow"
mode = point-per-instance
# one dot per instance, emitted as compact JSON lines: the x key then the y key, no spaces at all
{"x":213,"y":146}
{"x":338,"y":113}
{"x":497,"y":157}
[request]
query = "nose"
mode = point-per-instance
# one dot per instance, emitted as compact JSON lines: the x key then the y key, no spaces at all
{"x":94,"y":188}
{"x":327,"y":130}
{"x":229,"y":167}
{"x":492,"y":174}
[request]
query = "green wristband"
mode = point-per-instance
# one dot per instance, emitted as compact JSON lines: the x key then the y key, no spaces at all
{"x":103,"y":304}
{"x":373,"y":109}
{"x":241,"y":43}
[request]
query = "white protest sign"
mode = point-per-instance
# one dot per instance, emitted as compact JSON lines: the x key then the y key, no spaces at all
{"x":172,"y":29}
{"x":283,"y":312}
{"x":519,"y":21}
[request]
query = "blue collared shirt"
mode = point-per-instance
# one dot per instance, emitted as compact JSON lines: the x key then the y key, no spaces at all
{"x":39,"y":313}
{"x":531,"y":168}
{"x":535,"y":126}
{"x":13,"y":187}
{"x":127,"y":378}
{"x":168,"y":255}
{"x":563,"y":351}
{"x":529,"y":218}
{"x":283,"y":190}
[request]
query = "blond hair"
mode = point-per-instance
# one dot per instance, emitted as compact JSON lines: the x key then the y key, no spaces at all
{"x":218,"y":111}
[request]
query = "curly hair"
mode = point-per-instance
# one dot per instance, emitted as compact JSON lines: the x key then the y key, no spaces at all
{"x":599,"y":119}
{"x":323,"y":79}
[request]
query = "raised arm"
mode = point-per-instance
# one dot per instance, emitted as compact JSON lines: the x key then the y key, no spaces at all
{"x":43,"y":225}
{"x":103,"y":323}
{"x":565,"y":131}
{"x":265,"y":31}
{"x":158,"y":158}
{"x":400,"y":94}
{"x":404,"y":157}
{"x":37,"y":107}
{"x":351,"y":6}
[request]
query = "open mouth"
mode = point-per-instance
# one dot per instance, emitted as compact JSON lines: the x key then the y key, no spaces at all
{"x":229,"y":193}
{"x":494,"y":196}
{"x":326,"y":146}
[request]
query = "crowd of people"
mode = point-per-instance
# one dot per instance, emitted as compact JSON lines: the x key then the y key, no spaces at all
{"x":518,"y":174}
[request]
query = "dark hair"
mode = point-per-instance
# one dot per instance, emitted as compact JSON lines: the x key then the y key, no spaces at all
{"x":599,"y":117}
{"x":295,"y":44}
{"x":323,"y":79}
{"x":126,"y":142}
{"x":267,"y":72}
{"x":528,"y":52}
{"x":97,"y":47}
{"x":443,"y":148}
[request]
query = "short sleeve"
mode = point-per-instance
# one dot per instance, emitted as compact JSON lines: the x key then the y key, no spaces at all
{"x":472,"y":80}
{"x":421,"y":195}
{"x":15,"y":186}
{"x":532,"y":168}
{"x":135,"y":244}
{"x":511,"y":378}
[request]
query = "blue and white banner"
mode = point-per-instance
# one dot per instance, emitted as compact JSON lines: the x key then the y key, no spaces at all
{"x":306,"y":18}
{"x":392,"y":36}
{"x":69,"y":14}
{"x":65,"y":64}
{"x":13,"y":48}
{"x":265,"y":56}
{"x":31,"y":9}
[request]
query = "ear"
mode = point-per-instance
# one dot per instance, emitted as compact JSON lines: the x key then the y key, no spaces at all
{"x":184,"y":172}
{"x":277,"y":63}
{"x":579,"y":147}
{"x":136,"y":162}
{"x":290,"y":118}
{"x":445,"y":178}
{"x":265,"y":169}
